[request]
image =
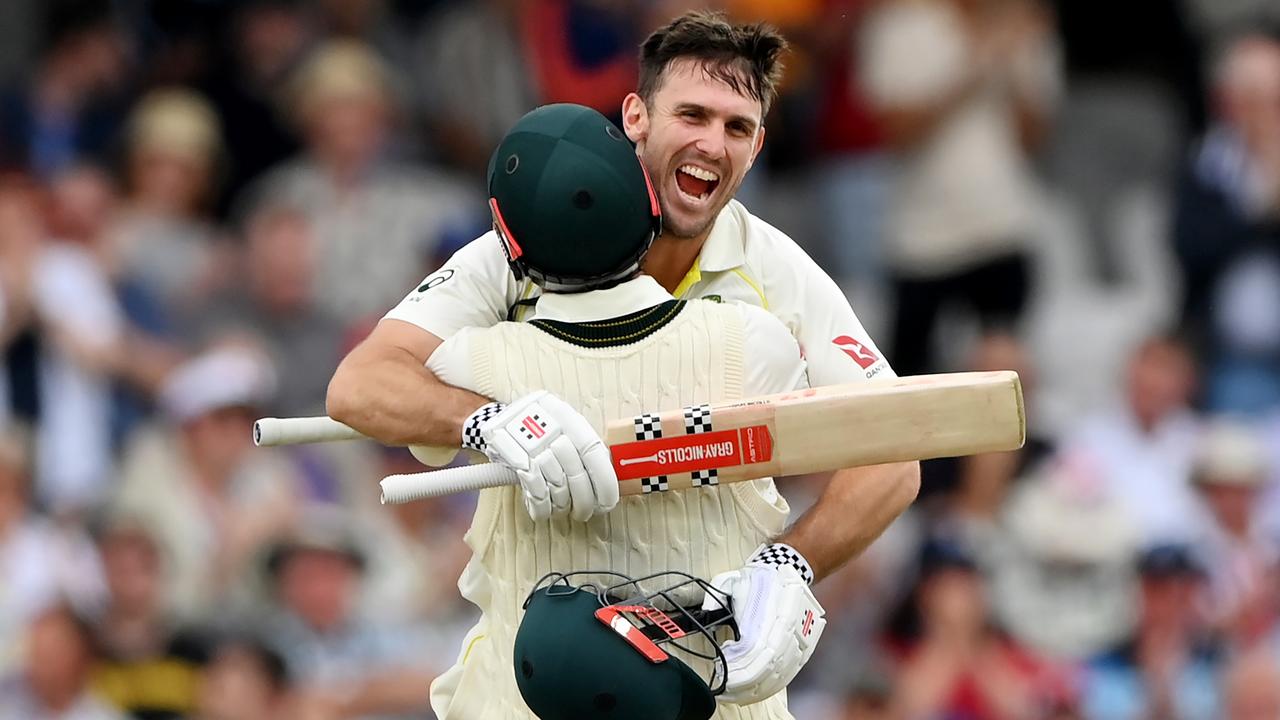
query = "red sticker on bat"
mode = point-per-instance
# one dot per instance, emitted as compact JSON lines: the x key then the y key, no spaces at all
{"x":686,"y":453}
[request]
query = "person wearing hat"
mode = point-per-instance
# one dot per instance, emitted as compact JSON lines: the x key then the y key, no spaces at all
{"x":193,"y":479}
{"x":1231,"y":472}
{"x":575,"y":212}
{"x":1169,"y":667}
{"x":342,"y":662}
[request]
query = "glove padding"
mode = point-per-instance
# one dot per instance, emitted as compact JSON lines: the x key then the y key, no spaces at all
{"x":563,"y":465}
{"x":779,"y":623}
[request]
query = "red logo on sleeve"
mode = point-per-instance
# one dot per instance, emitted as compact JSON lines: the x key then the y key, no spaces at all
{"x":860,"y":353}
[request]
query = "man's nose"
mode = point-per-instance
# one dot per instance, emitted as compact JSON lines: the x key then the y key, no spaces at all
{"x":711,"y":141}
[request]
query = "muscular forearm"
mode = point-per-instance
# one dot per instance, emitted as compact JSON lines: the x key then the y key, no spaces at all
{"x":854,"y":509}
{"x":386,"y":392}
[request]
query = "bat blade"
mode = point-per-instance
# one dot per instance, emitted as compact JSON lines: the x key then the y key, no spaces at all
{"x":820,"y":429}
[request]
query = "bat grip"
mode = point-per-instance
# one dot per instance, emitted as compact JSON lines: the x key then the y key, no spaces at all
{"x":398,"y":489}
{"x":269,"y":432}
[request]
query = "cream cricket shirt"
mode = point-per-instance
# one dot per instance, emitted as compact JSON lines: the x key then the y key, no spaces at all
{"x":745,"y":259}
{"x":610,"y":353}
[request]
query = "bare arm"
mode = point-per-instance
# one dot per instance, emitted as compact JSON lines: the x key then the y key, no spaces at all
{"x":857,"y":505}
{"x":383,"y":389}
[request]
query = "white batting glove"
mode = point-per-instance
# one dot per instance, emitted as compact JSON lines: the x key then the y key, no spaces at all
{"x":779,"y":622}
{"x":563,"y":465}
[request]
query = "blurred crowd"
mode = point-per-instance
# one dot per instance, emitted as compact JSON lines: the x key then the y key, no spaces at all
{"x":205,"y":203}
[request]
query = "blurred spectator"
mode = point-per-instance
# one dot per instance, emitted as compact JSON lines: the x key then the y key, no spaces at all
{"x":63,"y":113}
{"x":964,"y":89}
{"x":1143,"y":448}
{"x":40,"y":562}
{"x":1063,"y":582}
{"x":582,"y":51}
{"x":165,"y":247}
{"x":868,"y":701}
{"x":464,"y":46}
{"x":1133,"y":93}
{"x":343,"y":665}
{"x":261,"y":44}
{"x":55,"y":683}
{"x":853,"y":172}
{"x":147,"y":667}
{"x":1169,"y":668}
{"x":1227,"y":230}
{"x":413,"y":576}
{"x":1231,"y":472}
{"x":198,"y":483}
{"x":1251,"y":688}
{"x":956,"y":663}
{"x":378,"y":224}
{"x":274,"y":296}
{"x":22,"y":238}
{"x":62,"y":297}
{"x":244,"y":680}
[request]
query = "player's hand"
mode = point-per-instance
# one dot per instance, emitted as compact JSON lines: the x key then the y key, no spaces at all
{"x":563,"y":465}
{"x":779,"y":623}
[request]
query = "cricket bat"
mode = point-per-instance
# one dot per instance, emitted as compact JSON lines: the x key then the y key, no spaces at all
{"x":813,"y":430}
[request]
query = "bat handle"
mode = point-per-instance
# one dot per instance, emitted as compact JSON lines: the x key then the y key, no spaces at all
{"x":269,"y":432}
{"x":398,"y":489}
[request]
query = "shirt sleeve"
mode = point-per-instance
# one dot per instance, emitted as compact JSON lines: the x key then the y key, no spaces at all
{"x":451,"y":362}
{"x":833,"y":342}
{"x":771,"y":355}
{"x":475,"y":288}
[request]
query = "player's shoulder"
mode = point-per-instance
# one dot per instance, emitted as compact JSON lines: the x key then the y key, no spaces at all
{"x":767,"y":250}
{"x":485,"y":250}
{"x":763,"y":333}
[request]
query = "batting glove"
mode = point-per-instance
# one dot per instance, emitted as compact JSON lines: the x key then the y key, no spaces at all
{"x":779,"y":622}
{"x":563,"y":465}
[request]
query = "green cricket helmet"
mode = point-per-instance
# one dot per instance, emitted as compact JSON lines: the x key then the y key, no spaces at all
{"x":571,"y":202}
{"x":606,"y":651}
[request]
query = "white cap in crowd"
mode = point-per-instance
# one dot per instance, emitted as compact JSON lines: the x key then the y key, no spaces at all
{"x":228,"y":376}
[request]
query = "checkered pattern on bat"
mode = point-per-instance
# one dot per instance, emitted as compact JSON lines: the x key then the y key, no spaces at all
{"x":654,"y":484}
{"x":648,"y":426}
{"x":702,"y":478}
{"x":697,"y":419}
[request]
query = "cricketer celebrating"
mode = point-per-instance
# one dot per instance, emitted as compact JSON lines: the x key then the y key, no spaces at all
{"x":696,"y":122}
{"x":575,"y":213}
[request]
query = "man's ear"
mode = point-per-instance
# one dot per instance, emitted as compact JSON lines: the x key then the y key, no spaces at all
{"x":755,"y":152}
{"x":635,"y":118}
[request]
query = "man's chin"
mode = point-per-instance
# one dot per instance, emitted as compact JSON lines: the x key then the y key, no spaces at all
{"x":689,"y":225}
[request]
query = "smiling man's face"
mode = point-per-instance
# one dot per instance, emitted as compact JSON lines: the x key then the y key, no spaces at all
{"x":697,"y":139}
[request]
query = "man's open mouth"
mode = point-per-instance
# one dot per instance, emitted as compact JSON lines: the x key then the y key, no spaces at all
{"x":696,"y":183}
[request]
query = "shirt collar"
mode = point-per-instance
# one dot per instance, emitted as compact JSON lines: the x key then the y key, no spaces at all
{"x":631,"y":296}
{"x":723,"y":249}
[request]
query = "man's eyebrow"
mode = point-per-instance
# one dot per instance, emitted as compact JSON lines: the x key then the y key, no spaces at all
{"x":746,"y":121}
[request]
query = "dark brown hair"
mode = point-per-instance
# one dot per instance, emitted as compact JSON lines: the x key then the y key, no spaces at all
{"x":744,"y":57}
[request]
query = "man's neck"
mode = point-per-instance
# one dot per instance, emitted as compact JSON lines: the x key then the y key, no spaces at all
{"x":670,"y":259}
